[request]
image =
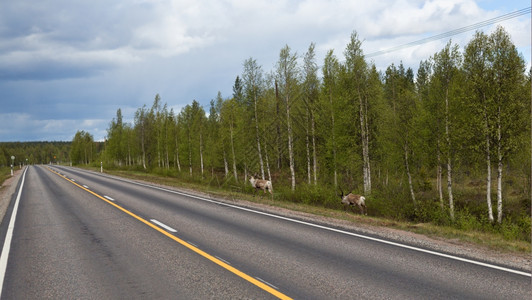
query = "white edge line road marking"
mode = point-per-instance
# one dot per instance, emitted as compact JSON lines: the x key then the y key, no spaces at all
{"x":9,"y":235}
{"x":453,"y":257}
{"x":108,"y":198}
{"x":202,"y":253}
{"x":163,"y":225}
{"x":266,"y":282}
{"x":225,"y":261}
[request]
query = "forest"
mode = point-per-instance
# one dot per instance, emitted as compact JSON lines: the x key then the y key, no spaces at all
{"x":449,"y":144}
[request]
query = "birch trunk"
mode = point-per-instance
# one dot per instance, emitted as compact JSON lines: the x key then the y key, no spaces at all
{"x":314,"y":155}
{"x":333,"y":141}
{"x":201,"y":152}
{"x":439,"y":181}
{"x":365,"y":147}
{"x":258,"y":138}
{"x":268,"y":164}
{"x":128,"y":154}
{"x":278,"y":138}
{"x":142,"y":146}
{"x":368,"y":162}
{"x":450,"y":188}
{"x":158,"y":149}
{"x":290,"y":146}
{"x":488,"y":164}
{"x":177,"y":154}
{"x":307,"y":141}
{"x":226,"y":167}
{"x":189,"y":152}
{"x":499,"y":168}
{"x":233,"y":152}
{"x":449,"y":165}
{"x":410,"y":185}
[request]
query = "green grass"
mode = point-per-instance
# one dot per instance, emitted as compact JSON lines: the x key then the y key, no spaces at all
{"x":467,"y":228}
{"x":5,"y":173}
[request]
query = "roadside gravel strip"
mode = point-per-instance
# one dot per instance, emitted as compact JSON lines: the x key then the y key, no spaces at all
{"x":520,"y":261}
{"x":7,"y":190}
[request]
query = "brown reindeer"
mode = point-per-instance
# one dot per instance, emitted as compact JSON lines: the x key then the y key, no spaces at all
{"x":352,"y":200}
{"x":261,"y":184}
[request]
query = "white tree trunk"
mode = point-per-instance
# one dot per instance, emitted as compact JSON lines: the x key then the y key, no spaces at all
{"x":189,"y":153}
{"x":258,"y":140}
{"x":365,"y":146}
{"x":233,"y":152}
{"x":226,"y":167}
{"x":290,"y":144}
{"x":201,"y":152}
{"x":499,"y":169}
{"x":410,"y":185}
{"x":177,"y":155}
{"x":268,"y":164}
{"x":367,"y":157}
{"x":449,"y":166}
{"x":307,"y":141}
{"x":488,"y":177}
{"x":333,"y":141}
{"x":143,"y":148}
{"x":314,"y":155}
{"x":439,"y":181}
{"x":450,"y":188}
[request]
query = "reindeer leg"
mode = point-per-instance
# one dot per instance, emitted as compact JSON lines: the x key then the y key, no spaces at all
{"x":345,"y":208}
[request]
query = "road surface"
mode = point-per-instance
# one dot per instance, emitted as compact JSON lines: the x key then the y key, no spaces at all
{"x":81,"y":235}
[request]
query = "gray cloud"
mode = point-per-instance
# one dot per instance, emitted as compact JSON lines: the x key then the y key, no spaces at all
{"x":65,"y":62}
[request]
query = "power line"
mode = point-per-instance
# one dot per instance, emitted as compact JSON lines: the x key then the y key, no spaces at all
{"x":478,"y":25}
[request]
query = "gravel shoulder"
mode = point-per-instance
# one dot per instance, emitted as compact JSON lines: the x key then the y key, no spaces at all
{"x":7,"y":190}
{"x":521,"y":261}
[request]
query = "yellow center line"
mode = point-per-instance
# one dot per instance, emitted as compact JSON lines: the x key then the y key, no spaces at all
{"x":184,"y":243}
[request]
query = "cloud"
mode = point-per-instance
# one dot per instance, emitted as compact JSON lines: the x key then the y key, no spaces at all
{"x":31,"y":129}
{"x":63,"y":62}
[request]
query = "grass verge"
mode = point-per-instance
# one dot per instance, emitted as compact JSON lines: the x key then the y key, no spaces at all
{"x":490,"y":240}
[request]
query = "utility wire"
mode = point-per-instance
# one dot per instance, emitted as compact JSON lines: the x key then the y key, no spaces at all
{"x":505,"y":17}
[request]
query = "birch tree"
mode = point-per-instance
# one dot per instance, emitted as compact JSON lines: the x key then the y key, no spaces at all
{"x":330,"y":81}
{"x":287,"y":77}
{"x":228,"y":115}
{"x":446,"y":65}
{"x":508,"y":77}
{"x":310,"y":96}
{"x":357,"y":69}
{"x":399,"y":86}
{"x":141,"y":124}
{"x":253,"y":88}
{"x":477,"y":67}
{"x":115,"y":139}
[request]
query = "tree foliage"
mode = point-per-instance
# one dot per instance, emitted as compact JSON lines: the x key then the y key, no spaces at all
{"x":391,"y":135}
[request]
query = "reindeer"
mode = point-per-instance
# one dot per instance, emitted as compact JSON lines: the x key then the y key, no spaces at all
{"x":261,"y":184}
{"x":352,"y":200}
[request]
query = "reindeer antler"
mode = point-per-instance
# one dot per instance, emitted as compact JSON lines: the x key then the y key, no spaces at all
{"x":341,"y":191}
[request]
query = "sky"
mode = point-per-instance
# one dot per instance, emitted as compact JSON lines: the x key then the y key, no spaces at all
{"x":70,"y":65}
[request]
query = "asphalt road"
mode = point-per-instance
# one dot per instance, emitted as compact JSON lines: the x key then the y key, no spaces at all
{"x":83,"y":235}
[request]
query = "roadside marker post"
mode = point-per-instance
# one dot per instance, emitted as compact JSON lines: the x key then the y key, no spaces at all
{"x":12,"y":163}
